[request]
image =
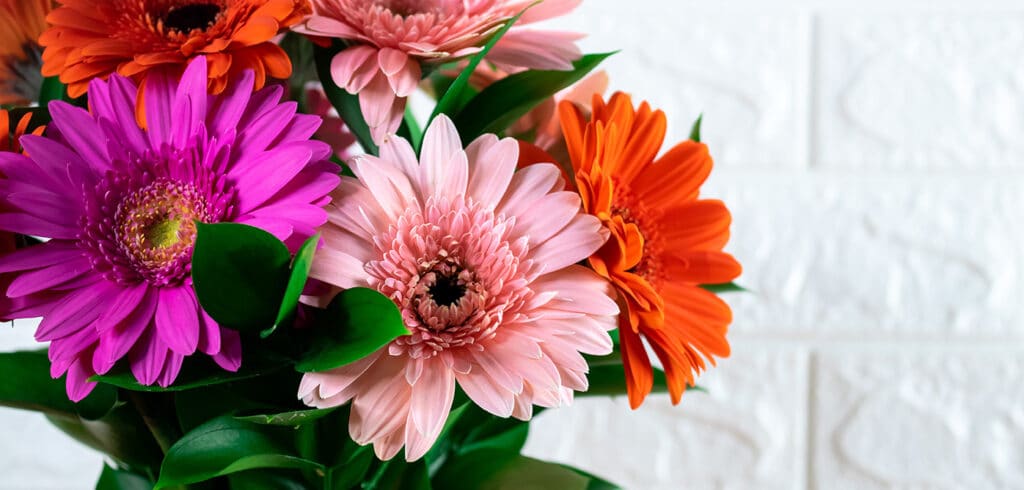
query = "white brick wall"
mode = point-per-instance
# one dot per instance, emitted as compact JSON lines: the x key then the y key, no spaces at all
{"x":873,"y":155}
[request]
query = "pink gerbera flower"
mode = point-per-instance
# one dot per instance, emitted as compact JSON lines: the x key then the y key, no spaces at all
{"x":481,"y":260}
{"x":395,"y":36}
{"x":119,"y":205}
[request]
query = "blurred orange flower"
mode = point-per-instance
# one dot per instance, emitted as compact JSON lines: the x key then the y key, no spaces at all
{"x":665,"y":241}
{"x":21,"y":23}
{"x":89,"y":39}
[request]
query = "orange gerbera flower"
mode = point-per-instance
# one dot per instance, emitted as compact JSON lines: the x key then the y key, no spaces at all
{"x":91,"y":38}
{"x":21,"y":23}
{"x":665,"y":241}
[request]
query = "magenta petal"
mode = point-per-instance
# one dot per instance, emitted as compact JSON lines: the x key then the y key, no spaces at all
{"x":76,"y":311}
{"x":254,"y":188}
{"x":66,"y":350}
{"x":42,"y":255}
{"x":148,"y":357}
{"x":177,"y":321}
{"x":48,"y":277}
{"x":190,"y":101}
{"x":126,"y":302}
{"x":116,"y":101}
{"x":78,"y":384}
{"x":82,"y":133}
{"x":159,"y":94}
{"x":230,"y":356}
{"x":116,"y":342}
{"x":227,"y":108}
{"x":209,"y":337}
{"x":171,"y":369}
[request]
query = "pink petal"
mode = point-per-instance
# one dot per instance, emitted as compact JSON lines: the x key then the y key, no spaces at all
{"x":538,"y":50}
{"x":432,"y":396}
{"x":491,"y":166}
{"x":353,"y":68}
{"x":402,"y":71}
{"x":486,"y":393}
{"x":78,"y":384}
{"x":444,"y":169}
{"x":547,"y":217}
{"x":230,"y":356}
{"x":528,"y":186}
{"x":577,"y":241}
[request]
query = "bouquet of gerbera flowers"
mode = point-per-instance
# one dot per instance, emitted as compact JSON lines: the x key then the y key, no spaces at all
{"x":254,"y":269}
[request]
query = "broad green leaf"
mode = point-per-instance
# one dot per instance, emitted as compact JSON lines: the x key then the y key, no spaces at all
{"x":27,"y":385}
{"x":454,"y":98}
{"x":345,"y":103}
{"x":226,"y":445}
{"x":484,"y":430}
{"x":504,"y":102}
{"x":695,"y":132}
{"x":352,"y":472}
{"x":273,"y":392}
{"x":240,"y":274}
{"x":287,"y":419}
{"x":357,"y":322}
{"x":496,"y":469}
{"x":114,"y":479}
{"x":729,"y":287}
{"x":296,"y":283}
{"x":596,"y":482}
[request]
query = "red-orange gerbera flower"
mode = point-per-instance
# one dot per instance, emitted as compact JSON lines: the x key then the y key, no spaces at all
{"x":90,"y":38}
{"x":665,"y":241}
{"x":21,"y":23}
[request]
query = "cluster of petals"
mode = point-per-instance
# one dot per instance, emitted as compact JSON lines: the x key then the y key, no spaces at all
{"x":89,"y":39}
{"x":118,"y":205}
{"x":665,"y":241}
{"x":481,"y":260}
{"x":394,"y":38}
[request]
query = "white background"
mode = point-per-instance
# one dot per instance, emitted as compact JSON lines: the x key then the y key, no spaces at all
{"x":872,"y":154}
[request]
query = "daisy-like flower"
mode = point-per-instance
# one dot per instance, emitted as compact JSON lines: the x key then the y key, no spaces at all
{"x":89,"y":39}
{"x":21,"y":23}
{"x":665,"y":241}
{"x":394,"y":37}
{"x":120,"y":203}
{"x":481,"y":261}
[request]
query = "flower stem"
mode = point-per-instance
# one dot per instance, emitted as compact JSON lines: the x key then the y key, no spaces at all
{"x":165,"y":431}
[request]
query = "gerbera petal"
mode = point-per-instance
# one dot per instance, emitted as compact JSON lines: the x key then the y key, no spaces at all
{"x":177,"y":320}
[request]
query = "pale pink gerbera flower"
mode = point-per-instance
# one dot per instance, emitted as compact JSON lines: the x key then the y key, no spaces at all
{"x":395,"y":36}
{"x":481,"y":260}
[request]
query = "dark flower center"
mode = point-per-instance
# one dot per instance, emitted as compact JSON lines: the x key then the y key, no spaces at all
{"x":187,"y":18}
{"x":447,"y":290}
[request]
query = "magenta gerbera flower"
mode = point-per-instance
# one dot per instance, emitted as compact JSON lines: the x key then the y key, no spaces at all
{"x":393,"y":38}
{"x":119,"y":204}
{"x":481,"y":261}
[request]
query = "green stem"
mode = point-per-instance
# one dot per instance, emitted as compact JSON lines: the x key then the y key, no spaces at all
{"x":163,"y":432}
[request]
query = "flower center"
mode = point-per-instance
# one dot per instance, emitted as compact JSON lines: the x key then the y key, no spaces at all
{"x":453,"y":272}
{"x":156,"y":224}
{"x":631,"y":210}
{"x":186,"y":18}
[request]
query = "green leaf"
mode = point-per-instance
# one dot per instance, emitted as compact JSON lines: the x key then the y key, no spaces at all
{"x":596,"y":482}
{"x":27,"y":385}
{"x":504,"y":102}
{"x":240,"y":274}
{"x":113,"y":479}
{"x":197,"y":372}
{"x":610,"y":379}
{"x":296,"y":283}
{"x":357,"y":322}
{"x":346,"y":104}
{"x":454,"y":98}
{"x":496,"y":469}
{"x":396,"y":474}
{"x":266,"y":480}
{"x":121,"y":434}
{"x":51,"y":89}
{"x":729,"y":287}
{"x":287,"y":419}
{"x":226,"y":445}
{"x":695,"y":132}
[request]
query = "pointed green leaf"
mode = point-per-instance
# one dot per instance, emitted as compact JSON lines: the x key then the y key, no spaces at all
{"x":454,"y":98}
{"x":357,"y":322}
{"x":240,"y":274}
{"x":504,"y":102}
{"x":288,"y":419}
{"x":494,"y":469}
{"x":729,"y":287}
{"x":296,"y":283}
{"x":695,"y":132}
{"x":226,"y":445}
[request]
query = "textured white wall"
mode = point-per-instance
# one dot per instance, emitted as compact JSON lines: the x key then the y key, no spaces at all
{"x":872,"y":153}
